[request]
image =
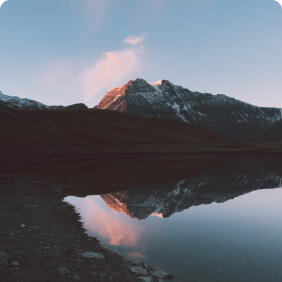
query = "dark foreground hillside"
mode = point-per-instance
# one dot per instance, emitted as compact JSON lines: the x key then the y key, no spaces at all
{"x":48,"y":136}
{"x":99,"y":134}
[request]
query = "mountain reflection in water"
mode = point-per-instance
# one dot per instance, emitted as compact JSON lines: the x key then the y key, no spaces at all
{"x":166,"y":200}
{"x":180,"y":228}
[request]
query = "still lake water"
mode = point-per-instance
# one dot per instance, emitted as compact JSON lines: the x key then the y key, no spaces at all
{"x":206,"y":228}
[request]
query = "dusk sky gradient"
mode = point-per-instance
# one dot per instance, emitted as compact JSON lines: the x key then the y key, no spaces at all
{"x":70,"y":51}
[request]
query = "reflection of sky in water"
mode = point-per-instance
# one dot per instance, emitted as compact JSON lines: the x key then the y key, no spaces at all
{"x":102,"y":221}
{"x":239,"y":240}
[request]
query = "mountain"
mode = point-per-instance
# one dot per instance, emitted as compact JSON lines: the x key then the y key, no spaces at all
{"x":217,"y":186}
{"x":17,"y":103}
{"x":271,"y":133}
{"x":20,"y":103}
{"x":218,"y":113}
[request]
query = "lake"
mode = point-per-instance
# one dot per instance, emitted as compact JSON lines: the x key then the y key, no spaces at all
{"x":223,"y":225}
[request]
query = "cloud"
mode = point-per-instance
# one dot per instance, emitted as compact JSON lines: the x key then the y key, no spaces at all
{"x":2,"y":2}
{"x":133,"y":40}
{"x":111,"y":69}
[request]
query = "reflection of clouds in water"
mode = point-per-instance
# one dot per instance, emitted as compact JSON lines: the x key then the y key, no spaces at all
{"x":136,"y":255}
{"x":110,"y":226}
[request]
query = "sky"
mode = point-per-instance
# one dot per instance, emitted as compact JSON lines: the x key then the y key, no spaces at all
{"x":61,"y":52}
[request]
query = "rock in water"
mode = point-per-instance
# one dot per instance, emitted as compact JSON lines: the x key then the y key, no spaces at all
{"x":160,"y":274}
{"x":146,"y":279}
{"x":139,"y":270}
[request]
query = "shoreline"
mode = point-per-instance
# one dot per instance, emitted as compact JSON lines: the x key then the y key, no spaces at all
{"x":44,"y":239}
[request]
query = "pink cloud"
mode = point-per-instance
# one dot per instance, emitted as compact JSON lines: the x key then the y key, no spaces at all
{"x":112,"y":69}
{"x":133,"y":40}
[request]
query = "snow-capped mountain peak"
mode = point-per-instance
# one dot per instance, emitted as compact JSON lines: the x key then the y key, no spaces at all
{"x":218,"y":113}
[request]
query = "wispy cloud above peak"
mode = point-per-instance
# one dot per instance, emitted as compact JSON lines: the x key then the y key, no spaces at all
{"x":2,"y":2}
{"x":134,"y":40}
{"x":112,"y":68}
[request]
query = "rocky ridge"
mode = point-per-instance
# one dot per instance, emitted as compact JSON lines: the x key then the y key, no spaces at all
{"x":17,"y":103}
{"x":218,"y":113}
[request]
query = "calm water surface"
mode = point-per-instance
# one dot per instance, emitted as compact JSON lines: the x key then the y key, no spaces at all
{"x":209,"y":228}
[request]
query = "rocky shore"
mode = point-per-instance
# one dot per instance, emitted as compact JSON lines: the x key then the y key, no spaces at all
{"x":43,"y":240}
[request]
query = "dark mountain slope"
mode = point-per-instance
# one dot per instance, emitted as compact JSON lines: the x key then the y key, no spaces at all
{"x":271,"y":133}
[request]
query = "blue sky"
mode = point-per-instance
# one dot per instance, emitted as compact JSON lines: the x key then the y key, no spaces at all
{"x":69,"y":51}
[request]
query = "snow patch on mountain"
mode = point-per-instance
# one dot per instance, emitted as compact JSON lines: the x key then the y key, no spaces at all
{"x":156,"y":88}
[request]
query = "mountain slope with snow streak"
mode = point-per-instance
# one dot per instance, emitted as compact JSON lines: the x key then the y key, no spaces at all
{"x":218,"y":113}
